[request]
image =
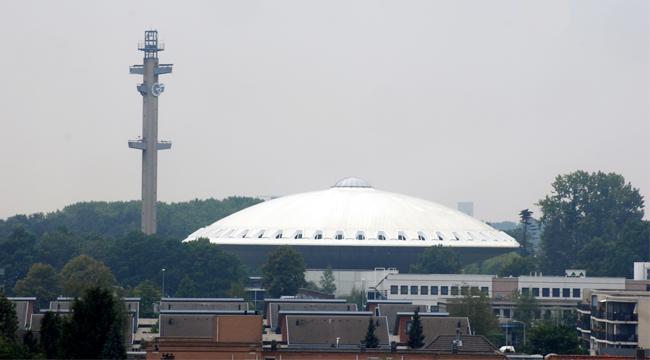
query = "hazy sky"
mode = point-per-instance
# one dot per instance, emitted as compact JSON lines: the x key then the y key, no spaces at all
{"x":449,"y":101}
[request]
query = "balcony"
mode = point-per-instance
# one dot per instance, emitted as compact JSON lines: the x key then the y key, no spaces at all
{"x":622,"y":316}
{"x":584,"y":307}
{"x":601,"y":335}
{"x":615,"y":316}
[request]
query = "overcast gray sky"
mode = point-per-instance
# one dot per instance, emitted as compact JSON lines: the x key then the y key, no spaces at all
{"x":449,"y":101}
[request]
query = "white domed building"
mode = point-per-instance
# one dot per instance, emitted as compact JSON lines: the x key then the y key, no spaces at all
{"x":353,"y":226}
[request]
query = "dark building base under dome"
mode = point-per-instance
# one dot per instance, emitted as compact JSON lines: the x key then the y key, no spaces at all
{"x":356,"y":257}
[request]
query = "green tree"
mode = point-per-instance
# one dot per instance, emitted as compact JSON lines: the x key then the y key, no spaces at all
{"x":187,"y":288}
{"x":82,"y":273}
{"x":415,"y":332}
{"x":148,"y":292}
{"x":437,"y":260}
{"x":357,"y":297}
{"x":8,"y":320}
{"x":114,"y":345}
{"x":284,"y":272}
{"x":477,"y":307}
{"x":525,"y":216}
{"x":96,"y":316}
{"x":327,"y":281}
{"x":517,"y":266}
{"x":51,"y":331}
{"x":371,"y":339}
{"x":545,"y":338}
{"x":30,"y":343}
{"x":526,"y":306}
{"x":42,"y":282}
{"x":587,"y":209}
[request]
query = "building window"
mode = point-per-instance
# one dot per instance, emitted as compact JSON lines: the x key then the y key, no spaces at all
{"x":439,"y":235}
{"x":464,"y":290}
{"x":421,"y":237}
{"x":444,"y":290}
{"x":536,"y":292}
{"x":414,"y":290}
{"x":298,"y":235}
{"x":424,"y":290}
{"x":338,"y":236}
{"x":546,"y":292}
{"x":456,"y":237}
{"x":278,"y":235}
{"x":525,"y":291}
{"x":496,"y":312}
{"x":485,"y":290}
{"x":404,"y":290}
{"x":474,"y":290}
{"x":381,"y":236}
{"x":556,"y":292}
{"x":506,"y":313}
{"x":393,"y":289}
{"x":318,"y":235}
{"x":454,"y":290}
{"x":576,"y":293}
{"x":401,"y":236}
{"x":361,"y":236}
{"x":434,"y":290}
{"x":566,"y":292}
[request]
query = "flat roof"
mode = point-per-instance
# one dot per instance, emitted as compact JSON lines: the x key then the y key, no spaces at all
{"x":211,"y":312}
{"x":305,"y":300}
{"x":22,"y":298}
{"x":317,"y":312}
{"x":407,"y":302}
{"x":426,"y":314}
{"x":202,"y":299}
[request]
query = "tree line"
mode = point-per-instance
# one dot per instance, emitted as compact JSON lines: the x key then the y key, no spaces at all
{"x":44,"y":243}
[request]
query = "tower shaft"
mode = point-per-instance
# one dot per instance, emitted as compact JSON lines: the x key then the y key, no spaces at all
{"x":150,"y":89}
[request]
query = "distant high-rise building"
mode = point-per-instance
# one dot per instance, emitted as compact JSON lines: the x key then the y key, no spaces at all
{"x":466,"y":207}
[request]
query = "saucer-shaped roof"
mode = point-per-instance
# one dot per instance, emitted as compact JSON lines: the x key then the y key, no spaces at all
{"x":352,"y":213}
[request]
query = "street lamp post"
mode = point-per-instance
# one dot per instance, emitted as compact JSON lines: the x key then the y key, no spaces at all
{"x":163,"y":283}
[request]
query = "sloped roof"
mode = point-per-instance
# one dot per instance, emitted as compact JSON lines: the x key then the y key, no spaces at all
{"x":322,"y":331}
{"x":474,"y":344}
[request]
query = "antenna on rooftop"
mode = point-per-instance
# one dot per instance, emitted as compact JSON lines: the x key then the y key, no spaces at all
{"x":150,"y":89}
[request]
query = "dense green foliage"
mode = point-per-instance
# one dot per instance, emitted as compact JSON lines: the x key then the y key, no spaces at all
{"x":415,"y":332}
{"x":545,"y":338}
{"x":371,"y":341}
{"x":437,"y":260}
{"x":96,"y":318}
{"x":593,"y":221}
{"x":526,"y":308}
{"x":42,"y":282}
{"x":327,"y":281}
{"x":284,"y":272}
{"x":518,"y":265}
{"x":95,"y":330}
{"x":525,"y":216}
{"x":117,"y":219}
{"x":477,"y":307}
{"x":82,"y":273}
{"x":51,"y":335}
{"x":10,"y":345}
{"x":148,"y":292}
{"x":100,"y":230}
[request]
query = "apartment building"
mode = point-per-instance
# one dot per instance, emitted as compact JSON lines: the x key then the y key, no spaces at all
{"x":614,"y":322}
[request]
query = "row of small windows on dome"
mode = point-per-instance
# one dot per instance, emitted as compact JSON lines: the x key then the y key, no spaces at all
{"x":360,"y":235}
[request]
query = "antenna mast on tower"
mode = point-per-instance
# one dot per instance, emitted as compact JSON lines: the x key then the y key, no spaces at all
{"x":150,"y":89}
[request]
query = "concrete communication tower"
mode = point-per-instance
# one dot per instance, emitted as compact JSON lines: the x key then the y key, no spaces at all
{"x":150,"y":89}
